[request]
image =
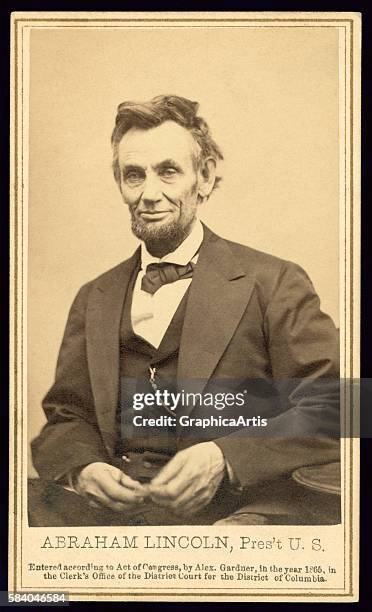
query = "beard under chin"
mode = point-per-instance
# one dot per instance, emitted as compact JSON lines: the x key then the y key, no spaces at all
{"x":163,"y":239}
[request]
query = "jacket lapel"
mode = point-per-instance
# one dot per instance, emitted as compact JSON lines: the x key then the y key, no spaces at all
{"x":219,"y":294}
{"x":103,"y":337}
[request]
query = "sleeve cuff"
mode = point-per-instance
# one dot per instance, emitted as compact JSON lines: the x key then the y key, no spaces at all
{"x":233,"y":482}
{"x":68,"y":480}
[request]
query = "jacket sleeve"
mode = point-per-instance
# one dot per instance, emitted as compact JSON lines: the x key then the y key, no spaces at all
{"x":71,"y":436}
{"x":303,"y":349}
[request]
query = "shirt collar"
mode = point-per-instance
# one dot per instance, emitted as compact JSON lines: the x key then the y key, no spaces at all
{"x":183,"y":254}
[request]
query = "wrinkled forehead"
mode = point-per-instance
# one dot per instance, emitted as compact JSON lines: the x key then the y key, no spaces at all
{"x":166,"y":141}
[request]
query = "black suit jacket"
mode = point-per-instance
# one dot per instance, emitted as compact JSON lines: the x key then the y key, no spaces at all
{"x":249,"y":316}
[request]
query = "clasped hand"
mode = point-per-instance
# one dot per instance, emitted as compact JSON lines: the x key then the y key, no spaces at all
{"x":186,"y":484}
{"x":189,"y":481}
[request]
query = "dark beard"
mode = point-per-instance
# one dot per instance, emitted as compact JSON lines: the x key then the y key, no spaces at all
{"x":161,"y":240}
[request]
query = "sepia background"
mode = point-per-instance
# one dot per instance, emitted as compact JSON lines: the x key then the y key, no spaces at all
{"x":270,"y":96}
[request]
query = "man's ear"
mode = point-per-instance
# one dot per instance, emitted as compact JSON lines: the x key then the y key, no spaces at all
{"x":207,"y":177}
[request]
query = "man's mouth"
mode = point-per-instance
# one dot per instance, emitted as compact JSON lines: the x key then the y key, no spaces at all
{"x":156,"y":215}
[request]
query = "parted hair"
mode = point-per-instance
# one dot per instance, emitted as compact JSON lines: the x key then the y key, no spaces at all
{"x":146,"y":115}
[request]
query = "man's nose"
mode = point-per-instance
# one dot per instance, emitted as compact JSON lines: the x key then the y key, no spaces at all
{"x":152,"y":190}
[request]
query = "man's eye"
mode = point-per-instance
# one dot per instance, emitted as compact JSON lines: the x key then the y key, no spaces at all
{"x":168,"y":172}
{"x":133,"y":177}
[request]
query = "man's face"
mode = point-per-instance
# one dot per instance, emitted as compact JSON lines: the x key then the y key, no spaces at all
{"x":159,"y":183}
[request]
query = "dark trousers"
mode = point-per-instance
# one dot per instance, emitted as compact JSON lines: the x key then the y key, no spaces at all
{"x":281,"y":502}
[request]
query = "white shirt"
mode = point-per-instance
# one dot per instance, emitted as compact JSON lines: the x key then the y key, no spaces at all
{"x":152,"y":313}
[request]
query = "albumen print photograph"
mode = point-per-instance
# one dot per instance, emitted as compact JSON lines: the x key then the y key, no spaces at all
{"x":185,"y":318}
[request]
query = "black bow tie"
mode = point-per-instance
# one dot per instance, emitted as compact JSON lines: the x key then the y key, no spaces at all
{"x":158,"y":274}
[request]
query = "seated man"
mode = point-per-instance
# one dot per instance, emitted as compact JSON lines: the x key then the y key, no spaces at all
{"x":189,"y":311}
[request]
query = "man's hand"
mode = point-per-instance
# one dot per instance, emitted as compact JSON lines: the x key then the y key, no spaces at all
{"x":105,"y":485}
{"x":190,"y":480}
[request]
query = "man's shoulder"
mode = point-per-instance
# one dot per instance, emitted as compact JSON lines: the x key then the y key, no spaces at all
{"x":248,"y":255}
{"x":116,"y":274}
{"x":259,"y":262}
{"x":268,"y":272}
